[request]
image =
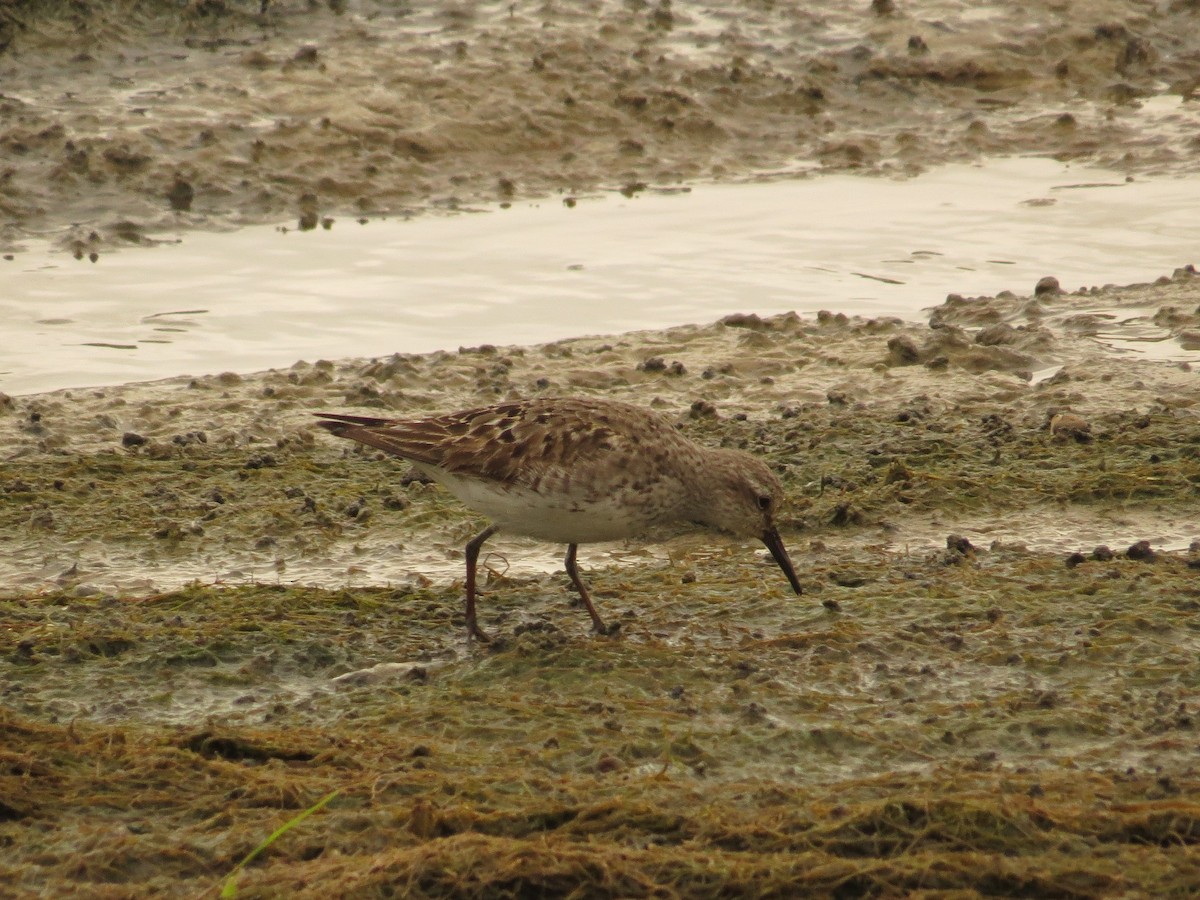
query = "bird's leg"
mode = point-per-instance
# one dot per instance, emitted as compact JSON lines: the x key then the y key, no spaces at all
{"x":473,"y":629}
{"x":597,"y":623}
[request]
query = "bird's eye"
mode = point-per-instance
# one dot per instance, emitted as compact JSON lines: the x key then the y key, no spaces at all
{"x":764,"y":502}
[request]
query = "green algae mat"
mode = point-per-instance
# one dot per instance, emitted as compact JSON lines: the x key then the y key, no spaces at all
{"x":982,"y":724}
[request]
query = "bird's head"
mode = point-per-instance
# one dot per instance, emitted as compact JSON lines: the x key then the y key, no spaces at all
{"x":743,"y":497}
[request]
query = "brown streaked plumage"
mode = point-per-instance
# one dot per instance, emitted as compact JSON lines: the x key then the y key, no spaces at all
{"x":576,"y":471}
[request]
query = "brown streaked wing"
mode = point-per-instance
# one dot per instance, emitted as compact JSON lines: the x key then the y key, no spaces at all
{"x":534,"y":443}
{"x":417,"y":441}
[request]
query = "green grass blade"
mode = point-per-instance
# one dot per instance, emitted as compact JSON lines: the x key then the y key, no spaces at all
{"x":229,"y":889}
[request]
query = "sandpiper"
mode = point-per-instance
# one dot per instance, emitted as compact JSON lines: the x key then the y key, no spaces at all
{"x":575,"y":471}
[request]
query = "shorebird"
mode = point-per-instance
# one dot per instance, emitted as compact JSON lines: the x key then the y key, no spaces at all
{"x":575,"y":471}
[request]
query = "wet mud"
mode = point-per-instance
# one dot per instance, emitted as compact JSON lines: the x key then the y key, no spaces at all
{"x":121,"y":121}
{"x":213,"y":618}
{"x":990,"y":721}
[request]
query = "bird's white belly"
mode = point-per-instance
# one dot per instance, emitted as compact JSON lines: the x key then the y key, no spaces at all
{"x":548,"y":517}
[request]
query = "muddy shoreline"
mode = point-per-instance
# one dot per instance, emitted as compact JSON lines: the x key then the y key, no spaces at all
{"x":843,"y":407}
{"x":212,"y":618}
{"x":990,"y":674}
{"x":121,"y":122}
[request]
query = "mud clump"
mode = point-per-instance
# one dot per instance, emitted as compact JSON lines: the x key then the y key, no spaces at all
{"x":1141,"y":552}
{"x":1068,"y":426}
{"x":1047,"y":287}
{"x":180,"y":195}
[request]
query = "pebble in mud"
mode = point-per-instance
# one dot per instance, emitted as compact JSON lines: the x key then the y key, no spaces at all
{"x":959,"y":545}
{"x":607,"y":763}
{"x":358,"y":510}
{"x":902,"y":351}
{"x":309,"y":212}
{"x":1067,"y":426}
{"x":1141,"y":552}
{"x":995,"y":335}
{"x":658,"y":364}
{"x":1047,"y":287}
{"x":395,"y":502}
{"x":180,"y":195}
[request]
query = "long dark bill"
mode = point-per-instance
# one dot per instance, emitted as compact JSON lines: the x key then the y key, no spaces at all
{"x":775,"y":544}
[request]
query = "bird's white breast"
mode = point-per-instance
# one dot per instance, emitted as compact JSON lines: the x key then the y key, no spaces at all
{"x":548,"y":516}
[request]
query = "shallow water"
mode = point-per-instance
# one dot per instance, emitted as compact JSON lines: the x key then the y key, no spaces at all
{"x":266,"y":296}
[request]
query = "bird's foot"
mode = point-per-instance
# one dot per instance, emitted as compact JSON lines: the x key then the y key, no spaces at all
{"x":475,"y":633}
{"x":612,"y":630}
